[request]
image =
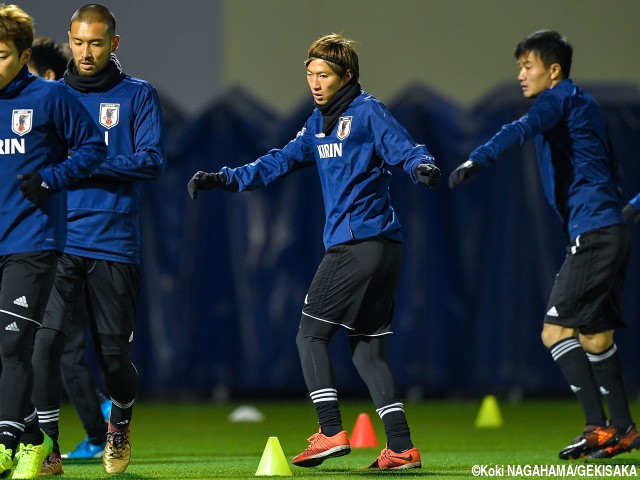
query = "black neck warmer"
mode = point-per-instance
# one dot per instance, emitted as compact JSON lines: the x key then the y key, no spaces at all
{"x":332,"y":110}
{"x":100,"y":82}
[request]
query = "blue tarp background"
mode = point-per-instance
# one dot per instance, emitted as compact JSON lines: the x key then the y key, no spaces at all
{"x":224,"y":277}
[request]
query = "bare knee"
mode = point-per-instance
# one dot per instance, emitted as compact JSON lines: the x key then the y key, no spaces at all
{"x":552,"y":334}
{"x":596,"y":342}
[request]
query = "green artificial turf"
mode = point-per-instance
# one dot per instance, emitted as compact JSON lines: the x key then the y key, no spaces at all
{"x":197,"y":440}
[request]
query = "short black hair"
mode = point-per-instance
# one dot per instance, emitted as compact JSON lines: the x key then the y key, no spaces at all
{"x":45,"y":55}
{"x":95,"y":13}
{"x":550,"y":46}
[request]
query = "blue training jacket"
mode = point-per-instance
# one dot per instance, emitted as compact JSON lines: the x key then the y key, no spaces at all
{"x":103,"y":210}
{"x":39,"y":124}
{"x":577,"y":169}
{"x":635,"y":202}
{"x":352,"y":162}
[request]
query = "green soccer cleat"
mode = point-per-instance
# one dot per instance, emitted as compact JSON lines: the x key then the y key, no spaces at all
{"x":6,"y":460}
{"x":29,"y":458}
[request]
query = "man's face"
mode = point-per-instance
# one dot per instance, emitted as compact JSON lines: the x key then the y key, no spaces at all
{"x":91,"y":46}
{"x":534,"y":76}
{"x":323,"y":81}
{"x":11,"y":62}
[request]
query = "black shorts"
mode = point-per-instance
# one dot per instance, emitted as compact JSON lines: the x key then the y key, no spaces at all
{"x":25,"y":285}
{"x":111,"y":292}
{"x":355,"y":286}
{"x":587,"y":293}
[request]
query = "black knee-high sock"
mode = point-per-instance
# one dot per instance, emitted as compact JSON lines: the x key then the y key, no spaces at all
{"x":16,"y":380}
{"x":32,"y":433}
{"x":396,"y":427}
{"x":313,"y":341}
{"x":325,"y":400}
{"x":49,"y":345}
{"x":369,"y":357}
{"x":607,"y":370}
{"x":121,"y":378}
{"x":572,"y":360}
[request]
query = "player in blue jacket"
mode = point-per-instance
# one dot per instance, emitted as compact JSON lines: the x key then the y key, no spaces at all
{"x":351,"y":138}
{"x":579,"y":176}
{"x":49,"y":60}
{"x":41,"y":123}
{"x":102,"y":254}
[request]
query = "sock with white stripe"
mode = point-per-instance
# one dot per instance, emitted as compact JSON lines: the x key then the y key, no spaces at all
{"x":369,"y":355}
{"x":16,"y":348}
{"x":121,"y":378}
{"x":396,"y":427}
{"x":10,"y":433}
{"x":313,"y":347}
{"x":121,"y":414}
{"x":32,"y":433}
{"x":607,"y":370}
{"x":47,"y":385}
{"x":326,"y":402}
{"x":48,"y":420}
{"x":572,"y":360}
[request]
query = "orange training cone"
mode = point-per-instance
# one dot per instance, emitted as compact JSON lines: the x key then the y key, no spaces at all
{"x":363,"y":435}
{"x":273,"y":461}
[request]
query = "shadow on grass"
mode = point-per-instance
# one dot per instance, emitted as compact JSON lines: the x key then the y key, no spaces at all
{"x":81,"y":461}
{"x":119,"y":476}
{"x":414,"y":472}
{"x":614,"y":461}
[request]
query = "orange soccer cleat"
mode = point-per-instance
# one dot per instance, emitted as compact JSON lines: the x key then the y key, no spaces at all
{"x":390,"y":460}
{"x":627,"y":441}
{"x":593,"y":438}
{"x":322,"y":447}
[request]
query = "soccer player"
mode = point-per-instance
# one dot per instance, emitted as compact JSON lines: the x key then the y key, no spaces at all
{"x":43,"y":122}
{"x":102,"y":254}
{"x":352,"y":139}
{"x":631,"y":210}
{"x":49,"y":60}
{"x":579,"y":176}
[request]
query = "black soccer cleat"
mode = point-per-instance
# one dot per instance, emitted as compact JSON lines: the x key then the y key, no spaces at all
{"x":594,"y":438}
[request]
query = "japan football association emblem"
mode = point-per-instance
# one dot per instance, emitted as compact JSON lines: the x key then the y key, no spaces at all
{"x":109,"y":114}
{"x":21,"y":121}
{"x":344,"y":127}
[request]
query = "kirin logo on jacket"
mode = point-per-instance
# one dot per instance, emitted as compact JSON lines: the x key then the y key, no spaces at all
{"x":109,"y":114}
{"x":21,"y":121}
{"x":344,"y":127}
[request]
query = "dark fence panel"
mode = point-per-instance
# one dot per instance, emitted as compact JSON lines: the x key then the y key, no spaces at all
{"x":224,"y":277}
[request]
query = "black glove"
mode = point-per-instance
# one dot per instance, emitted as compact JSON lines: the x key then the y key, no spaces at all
{"x":631,"y":213}
{"x":463,"y":173}
{"x":205,"y":181}
{"x":428,"y":174}
{"x":33,"y":187}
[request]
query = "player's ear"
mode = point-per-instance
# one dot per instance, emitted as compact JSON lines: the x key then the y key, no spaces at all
{"x":115,"y":41}
{"x":26,"y":55}
{"x":556,"y":72}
